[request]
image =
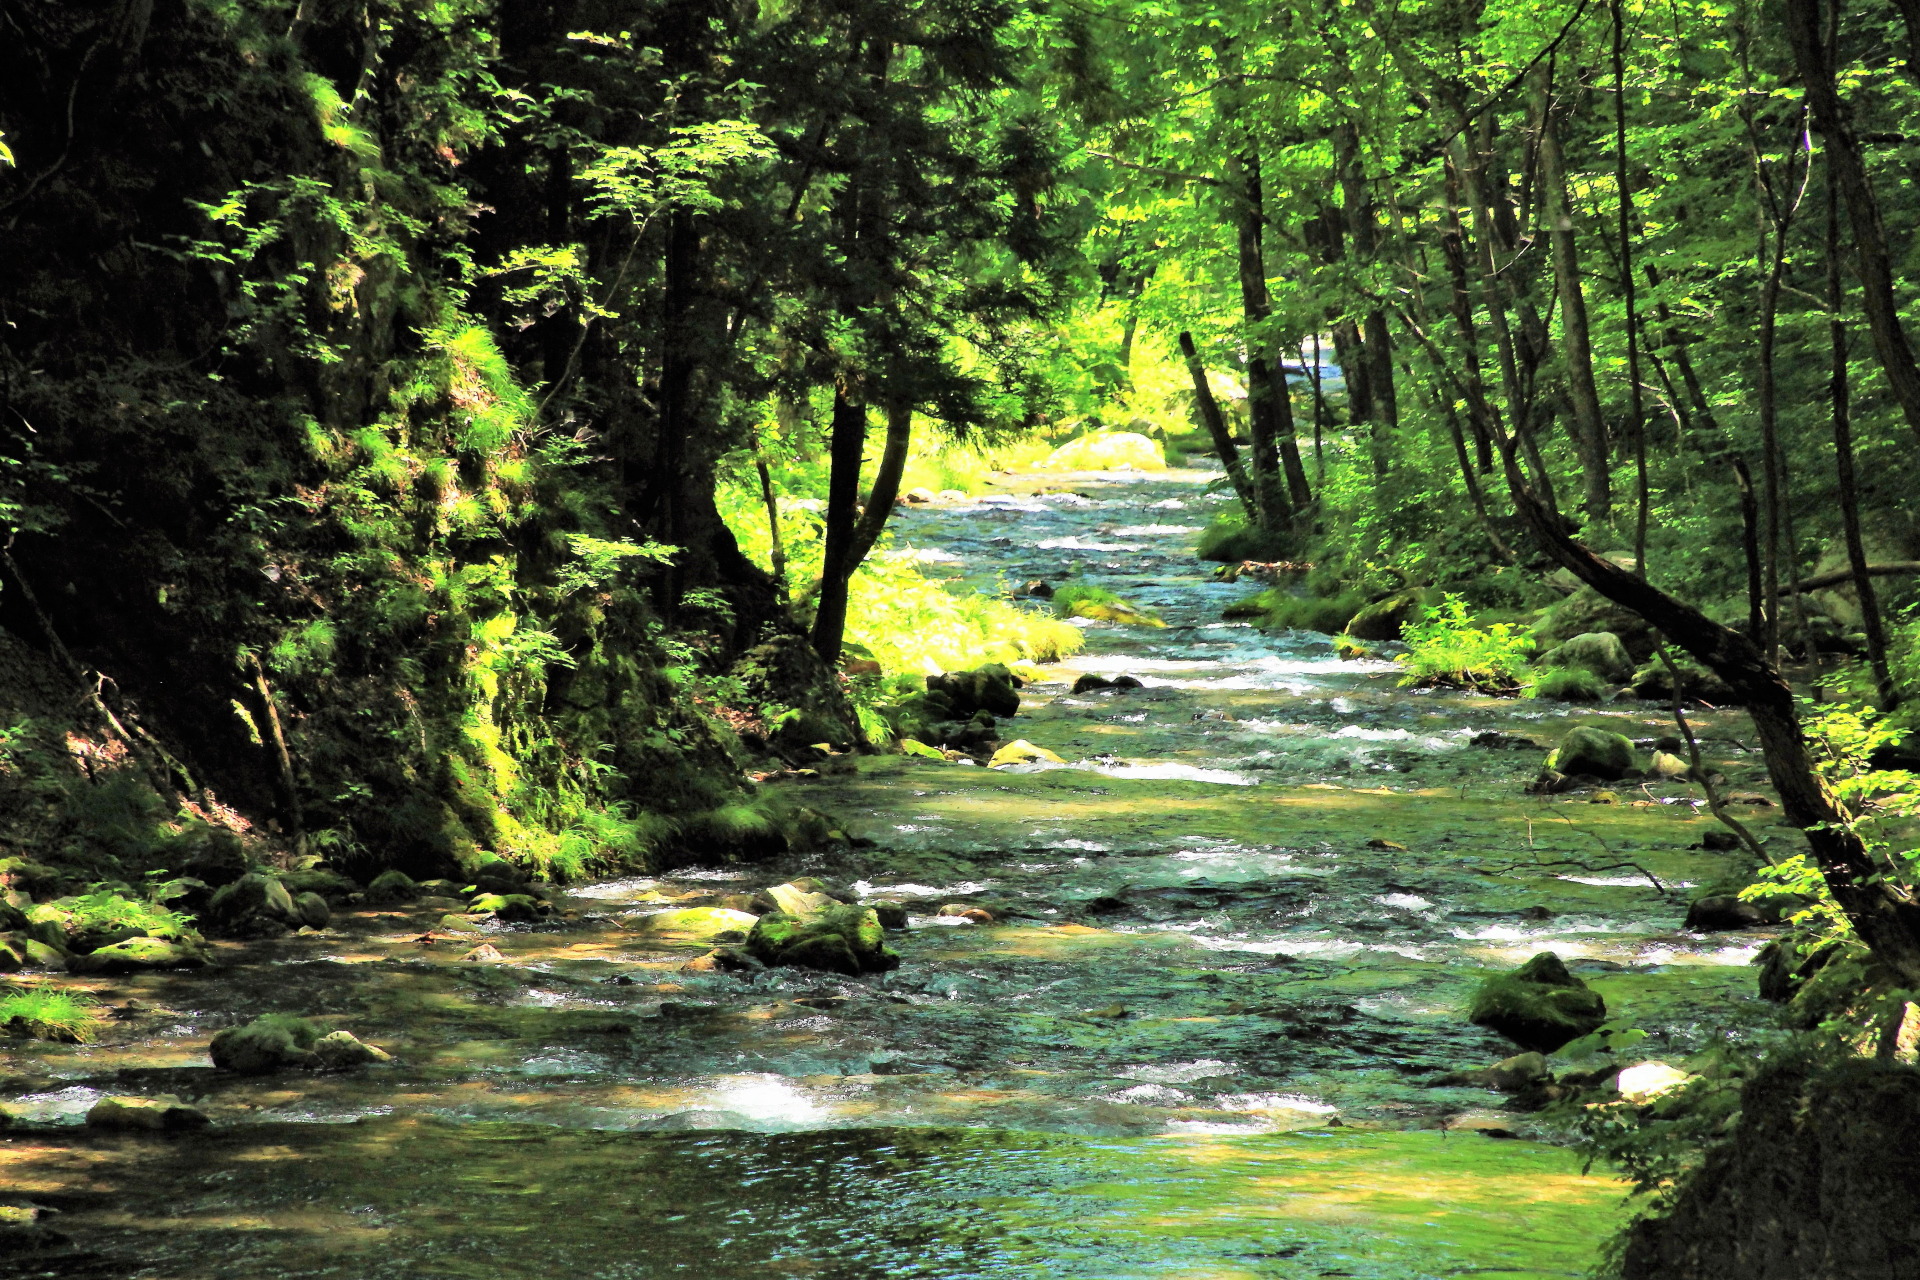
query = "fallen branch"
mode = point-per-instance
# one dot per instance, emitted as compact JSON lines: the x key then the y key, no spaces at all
{"x":1834,"y":578}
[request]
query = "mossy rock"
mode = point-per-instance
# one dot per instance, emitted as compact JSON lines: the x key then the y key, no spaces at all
{"x":1539,"y":1006}
{"x":392,"y":887}
{"x":312,"y":910}
{"x":328,"y":883}
{"x":254,"y":906}
{"x":744,"y":830}
{"x":991,"y":688}
{"x":1100,"y":605}
{"x":1386,"y":619}
{"x":269,"y":1043}
{"x":1567,"y":684}
{"x":515,"y":908}
{"x":1601,"y":652}
{"x":140,"y":955}
{"x":1020,"y":751}
{"x":1593,"y":753}
{"x":694,"y":926}
{"x":838,"y":938}
{"x":145,"y":1115}
{"x":1587,"y":611}
{"x":1653,"y":681}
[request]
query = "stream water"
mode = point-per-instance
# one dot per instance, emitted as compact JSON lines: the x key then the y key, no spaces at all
{"x":1204,"y":1040}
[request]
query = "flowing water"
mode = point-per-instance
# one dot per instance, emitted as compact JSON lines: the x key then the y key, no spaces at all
{"x":1204,"y":1041}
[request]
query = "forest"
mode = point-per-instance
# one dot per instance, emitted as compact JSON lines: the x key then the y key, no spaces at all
{"x":1029,"y":638}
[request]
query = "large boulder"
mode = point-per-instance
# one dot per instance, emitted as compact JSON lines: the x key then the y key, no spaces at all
{"x":836,"y":937}
{"x":1385,"y":619}
{"x":254,"y":906}
{"x":1601,"y":652}
{"x":1587,"y":611}
{"x":990,"y":688}
{"x":1653,"y":681}
{"x":1593,"y":753}
{"x":1539,"y":1006}
{"x":145,"y":1115}
{"x":392,"y":887}
{"x":694,"y":926}
{"x":269,"y":1043}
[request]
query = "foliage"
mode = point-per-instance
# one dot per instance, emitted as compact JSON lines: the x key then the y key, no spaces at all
{"x":106,"y":909}
{"x":1445,"y":647}
{"x":44,"y":1013}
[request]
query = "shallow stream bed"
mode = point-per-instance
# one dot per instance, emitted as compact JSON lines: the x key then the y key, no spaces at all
{"x":1237,"y":931}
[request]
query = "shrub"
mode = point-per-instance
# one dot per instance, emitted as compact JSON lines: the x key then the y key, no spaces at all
{"x":1230,"y":539}
{"x":1078,"y":600}
{"x":1278,"y":609}
{"x":1445,"y":648}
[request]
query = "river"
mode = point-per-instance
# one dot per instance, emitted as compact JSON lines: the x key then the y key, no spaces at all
{"x":1204,"y":1040}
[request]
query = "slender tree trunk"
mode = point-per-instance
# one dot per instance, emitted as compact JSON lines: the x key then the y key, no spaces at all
{"x":886,"y":484}
{"x":1590,"y":427}
{"x":1838,"y":392}
{"x":1814,"y":57}
{"x":1453,"y":250}
{"x":777,"y":547}
{"x":1216,"y":425}
{"x":846,"y":448}
{"x":1270,"y":413}
{"x":1623,"y":181}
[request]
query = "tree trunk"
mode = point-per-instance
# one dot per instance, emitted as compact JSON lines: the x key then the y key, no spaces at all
{"x":1815,"y":60}
{"x":846,"y":448}
{"x":1882,"y":912}
{"x":886,"y":484}
{"x":1838,"y":399}
{"x":1216,"y":425}
{"x":1268,"y":412}
{"x":1590,"y":427}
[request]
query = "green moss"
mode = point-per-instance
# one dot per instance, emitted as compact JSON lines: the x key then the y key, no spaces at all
{"x":1538,"y":1006}
{"x":1229,"y":540}
{"x":1080,"y":600}
{"x":1567,"y":684}
{"x":1279,"y":609}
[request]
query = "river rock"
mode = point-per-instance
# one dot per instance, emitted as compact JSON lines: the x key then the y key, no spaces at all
{"x":265,"y":1045}
{"x":313,"y":910}
{"x":517,"y":908}
{"x":1601,"y":652}
{"x":502,"y":877}
{"x":963,"y":911}
{"x":390,"y":888}
{"x":42,"y":956}
{"x":13,"y":954}
{"x":1721,"y":912}
{"x":891,"y":914}
{"x":695,"y":925}
{"x":1585,"y":612}
{"x":990,"y":688}
{"x":917,"y":497}
{"x":342,"y":1050}
{"x":486,"y":953}
{"x":837,"y":938}
{"x":1653,"y":681}
{"x":1384,"y":619}
{"x":1539,"y":1006}
{"x":254,"y":906}
{"x":140,"y":955}
{"x":1020,"y":751}
{"x":1668,"y":767}
{"x":1089,"y":682}
{"x":722,"y":960}
{"x":329,"y":884}
{"x":1594,"y":753}
{"x":145,"y":1115}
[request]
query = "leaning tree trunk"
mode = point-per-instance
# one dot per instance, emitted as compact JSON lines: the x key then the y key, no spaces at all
{"x":1216,"y":425}
{"x":846,"y":446}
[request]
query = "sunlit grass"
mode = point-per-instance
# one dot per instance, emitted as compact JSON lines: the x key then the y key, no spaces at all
{"x":43,"y":1013}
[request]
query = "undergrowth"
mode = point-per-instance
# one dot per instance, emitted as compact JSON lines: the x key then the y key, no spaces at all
{"x":1445,"y":648}
{"x":45,"y":1014}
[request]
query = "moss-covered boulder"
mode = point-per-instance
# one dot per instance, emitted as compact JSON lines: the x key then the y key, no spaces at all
{"x":837,"y":938}
{"x":140,"y":955}
{"x":342,"y":1050}
{"x":1587,"y":611}
{"x":269,"y":1043}
{"x":1539,"y":1006}
{"x":145,"y":1115}
{"x":329,"y":884}
{"x":1385,"y":619}
{"x":1653,"y":681}
{"x":513,"y":908}
{"x":1593,"y":753}
{"x":990,"y":688}
{"x":1601,"y":652}
{"x":392,"y":887}
{"x":1020,"y":751}
{"x":694,"y":926}
{"x":1108,"y":451}
{"x":254,"y":906}
{"x":1077,"y":600}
